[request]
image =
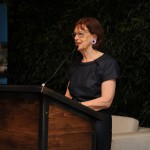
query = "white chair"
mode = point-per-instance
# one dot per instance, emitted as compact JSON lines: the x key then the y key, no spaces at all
{"x":127,"y":135}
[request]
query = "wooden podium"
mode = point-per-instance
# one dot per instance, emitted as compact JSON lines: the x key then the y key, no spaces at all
{"x":38,"y":118}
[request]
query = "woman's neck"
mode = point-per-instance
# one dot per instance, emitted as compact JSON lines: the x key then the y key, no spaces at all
{"x":91,"y":55}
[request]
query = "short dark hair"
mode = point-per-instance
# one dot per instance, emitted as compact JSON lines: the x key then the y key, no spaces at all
{"x":94,"y":27}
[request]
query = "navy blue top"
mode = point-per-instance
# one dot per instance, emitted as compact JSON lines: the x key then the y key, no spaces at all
{"x":86,"y":77}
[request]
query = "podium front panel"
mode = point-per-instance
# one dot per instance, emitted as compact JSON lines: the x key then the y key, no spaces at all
{"x":19,"y":121}
{"x":35,"y":118}
{"x":67,"y":130}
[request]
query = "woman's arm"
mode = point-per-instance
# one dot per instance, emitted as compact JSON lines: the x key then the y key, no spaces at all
{"x":107,"y":94}
{"x":67,"y":94}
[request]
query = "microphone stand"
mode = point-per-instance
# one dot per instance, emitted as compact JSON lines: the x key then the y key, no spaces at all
{"x":43,"y":84}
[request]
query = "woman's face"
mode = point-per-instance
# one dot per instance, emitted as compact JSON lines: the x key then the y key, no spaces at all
{"x":82,"y":38}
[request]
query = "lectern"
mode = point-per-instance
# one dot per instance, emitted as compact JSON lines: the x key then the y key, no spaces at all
{"x":38,"y":118}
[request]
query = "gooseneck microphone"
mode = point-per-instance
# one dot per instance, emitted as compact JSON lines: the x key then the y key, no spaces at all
{"x":43,"y":84}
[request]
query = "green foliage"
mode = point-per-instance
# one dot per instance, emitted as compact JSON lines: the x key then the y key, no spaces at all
{"x":40,"y":39}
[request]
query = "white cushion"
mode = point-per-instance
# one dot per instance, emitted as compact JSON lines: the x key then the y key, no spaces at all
{"x":121,"y":124}
{"x":131,"y":141}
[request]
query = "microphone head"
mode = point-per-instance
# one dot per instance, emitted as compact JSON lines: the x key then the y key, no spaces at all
{"x":43,"y":84}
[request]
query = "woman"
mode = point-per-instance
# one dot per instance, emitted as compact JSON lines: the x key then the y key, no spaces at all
{"x":92,"y":80}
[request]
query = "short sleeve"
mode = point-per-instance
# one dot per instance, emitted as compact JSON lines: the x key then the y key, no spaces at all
{"x":110,"y":70}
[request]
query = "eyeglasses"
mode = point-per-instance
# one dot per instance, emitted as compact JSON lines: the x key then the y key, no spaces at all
{"x":79,"y":34}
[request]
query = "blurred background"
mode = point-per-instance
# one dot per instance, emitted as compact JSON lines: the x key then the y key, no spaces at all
{"x":3,"y":43}
{"x":39,"y":39}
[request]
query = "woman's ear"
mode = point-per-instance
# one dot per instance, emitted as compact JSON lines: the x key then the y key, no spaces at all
{"x":94,"y":39}
{"x":95,"y":36}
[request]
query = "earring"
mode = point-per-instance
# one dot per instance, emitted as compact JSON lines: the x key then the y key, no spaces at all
{"x":93,"y":41}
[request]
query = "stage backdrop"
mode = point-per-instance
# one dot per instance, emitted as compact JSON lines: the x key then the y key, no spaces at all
{"x":3,"y":43}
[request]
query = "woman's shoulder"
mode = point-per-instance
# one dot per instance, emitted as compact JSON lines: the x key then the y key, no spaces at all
{"x":105,"y":59}
{"x":75,"y":62}
{"x":109,"y":65}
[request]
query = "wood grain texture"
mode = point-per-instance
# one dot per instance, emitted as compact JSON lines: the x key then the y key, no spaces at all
{"x":19,"y":124}
{"x":19,"y":121}
{"x":68,"y":131}
{"x":13,"y":140}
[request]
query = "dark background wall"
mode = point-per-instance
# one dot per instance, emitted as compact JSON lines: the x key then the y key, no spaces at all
{"x":40,"y":39}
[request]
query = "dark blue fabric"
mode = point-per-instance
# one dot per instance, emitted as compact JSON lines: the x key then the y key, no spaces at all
{"x":85,"y":84}
{"x":86,"y":78}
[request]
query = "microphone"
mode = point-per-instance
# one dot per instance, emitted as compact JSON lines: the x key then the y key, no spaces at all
{"x":43,"y":84}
